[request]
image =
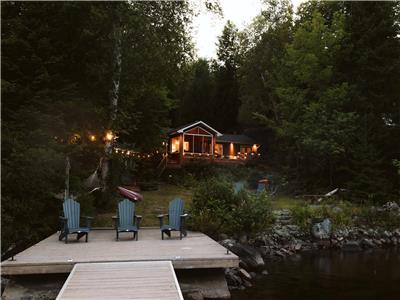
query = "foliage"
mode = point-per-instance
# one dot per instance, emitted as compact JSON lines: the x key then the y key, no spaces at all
{"x":345,"y":214}
{"x":216,"y":208}
{"x":57,"y":71}
{"x":323,"y":93}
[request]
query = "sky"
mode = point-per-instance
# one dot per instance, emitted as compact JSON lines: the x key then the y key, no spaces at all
{"x":208,"y":26}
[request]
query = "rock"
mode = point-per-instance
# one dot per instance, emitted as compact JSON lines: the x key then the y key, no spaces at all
{"x":233,"y":280}
{"x":367,"y":243}
{"x":244,"y":274}
{"x":223,"y":236}
{"x":387,"y":234}
{"x":34,"y":287}
{"x":243,"y":239}
{"x":324,"y":244}
{"x":390,"y":206}
{"x":264,"y":272}
{"x":193,"y":295}
{"x":298,"y":246}
{"x":247,"y":283}
{"x":322,"y":230}
{"x":377,"y":242}
{"x":351,"y":246}
{"x":337,"y":210}
{"x":211,"y":283}
{"x":250,"y":256}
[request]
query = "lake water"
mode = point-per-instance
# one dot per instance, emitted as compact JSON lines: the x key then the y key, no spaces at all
{"x":330,"y":275}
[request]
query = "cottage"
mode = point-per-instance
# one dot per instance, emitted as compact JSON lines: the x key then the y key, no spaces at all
{"x":198,"y":141}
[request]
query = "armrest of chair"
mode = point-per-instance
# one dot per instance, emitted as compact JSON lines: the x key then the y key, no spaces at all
{"x":183,"y":219}
{"x":138,"y":219}
{"x":63,"y":223}
{"x":88,"y":220}
{"x":161,"y":218}
{"x":116,"y":221}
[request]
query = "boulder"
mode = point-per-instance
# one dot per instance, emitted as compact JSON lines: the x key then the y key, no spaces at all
{"x":321,"y":229}
{"x":244,"y":274}
{"x":351,"y":246}
{"x":367,"y":243}
{"x":391,"y":206}
{"x":250,"y":256}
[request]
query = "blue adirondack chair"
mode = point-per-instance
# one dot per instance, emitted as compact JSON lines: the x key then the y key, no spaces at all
{"x":126,"y":220}
{"x":176,"y":219}
{"x":70,"y":222}
{"x":260,"y":188}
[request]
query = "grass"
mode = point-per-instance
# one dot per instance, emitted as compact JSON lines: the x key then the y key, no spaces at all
{"x":286,"y":202}
{"x":153,"y":204}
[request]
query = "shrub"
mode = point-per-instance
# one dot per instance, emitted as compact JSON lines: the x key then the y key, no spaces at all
{"x":217,"y":209}
{"x":252,"y":214}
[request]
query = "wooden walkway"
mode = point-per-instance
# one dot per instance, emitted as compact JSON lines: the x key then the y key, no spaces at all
{"x":129,"y":280}
{"x":52,"y":256}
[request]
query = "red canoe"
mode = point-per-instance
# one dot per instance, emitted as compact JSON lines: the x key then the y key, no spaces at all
{"x":131,"y":195}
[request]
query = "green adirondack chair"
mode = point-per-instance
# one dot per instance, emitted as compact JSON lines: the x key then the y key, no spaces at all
{"x":176,"y":219}
{"x":70,"y":222}
{"x":126,"y":220}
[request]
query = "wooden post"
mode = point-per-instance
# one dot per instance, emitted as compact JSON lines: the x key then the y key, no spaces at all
{"x":213,"y":138}
{"x":181,"y":141}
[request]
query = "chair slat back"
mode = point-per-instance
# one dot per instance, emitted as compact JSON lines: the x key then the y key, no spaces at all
{"x":238,"y":186}
{"x":126,"y":212}
{"x":72,"y":210}
{"x":261,"y":188}
{"x":175,"y":212}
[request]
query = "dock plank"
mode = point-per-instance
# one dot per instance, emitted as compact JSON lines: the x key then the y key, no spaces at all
{"x":123,"y":280}
{"x":52,"y":256}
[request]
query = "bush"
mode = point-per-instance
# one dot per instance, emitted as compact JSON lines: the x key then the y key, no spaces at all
{"x":252,"y":214}
{"x":217,"y":209}
{"x":346,"y":214}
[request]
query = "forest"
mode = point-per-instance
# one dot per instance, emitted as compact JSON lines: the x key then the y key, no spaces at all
{"x":318,"y":87}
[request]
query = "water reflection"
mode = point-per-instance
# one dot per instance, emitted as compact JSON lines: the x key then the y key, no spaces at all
{"x":330,"y":275}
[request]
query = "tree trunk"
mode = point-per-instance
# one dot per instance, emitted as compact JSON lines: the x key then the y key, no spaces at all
{"x":114,"y":96}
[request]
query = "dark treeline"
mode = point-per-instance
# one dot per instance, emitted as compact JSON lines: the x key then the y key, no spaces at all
{"x":319,"y":88}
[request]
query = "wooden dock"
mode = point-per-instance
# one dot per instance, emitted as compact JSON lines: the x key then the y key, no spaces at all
{"x":124,"y":280}
{"x":52,"y":256}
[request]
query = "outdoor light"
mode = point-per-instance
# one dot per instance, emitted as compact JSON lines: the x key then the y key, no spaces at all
{"x":92,"y":138}
{"x":109,"y":136}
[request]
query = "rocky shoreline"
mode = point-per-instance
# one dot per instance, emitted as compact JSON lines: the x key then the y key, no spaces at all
{"x":284,"y":239}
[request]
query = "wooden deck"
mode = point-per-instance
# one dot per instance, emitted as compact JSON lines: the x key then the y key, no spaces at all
{"x":124,"y":280}
{"x":52,"y":256}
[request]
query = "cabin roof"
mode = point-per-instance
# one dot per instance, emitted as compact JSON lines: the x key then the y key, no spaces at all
{"x":188,"y":126}
{"x":235,"y":138}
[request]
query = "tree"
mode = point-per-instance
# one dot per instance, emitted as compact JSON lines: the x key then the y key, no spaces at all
{"x":227,"y":86}
{"x":198,"y":94}
{"x":265,"y":46}
{"x":57,"y":63}
{"x":312,"y":102}
{"x":371,"y":64}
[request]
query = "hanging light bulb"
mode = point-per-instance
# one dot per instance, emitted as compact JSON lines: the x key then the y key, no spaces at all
{"x":109,"y":136}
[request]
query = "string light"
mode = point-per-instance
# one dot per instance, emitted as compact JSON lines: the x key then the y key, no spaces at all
{"x":109,"y":136}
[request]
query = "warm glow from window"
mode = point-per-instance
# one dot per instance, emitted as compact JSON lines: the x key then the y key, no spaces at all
{"x":175,"y":145}
{"x":254,"y":148}
{"x":186,"y":146}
